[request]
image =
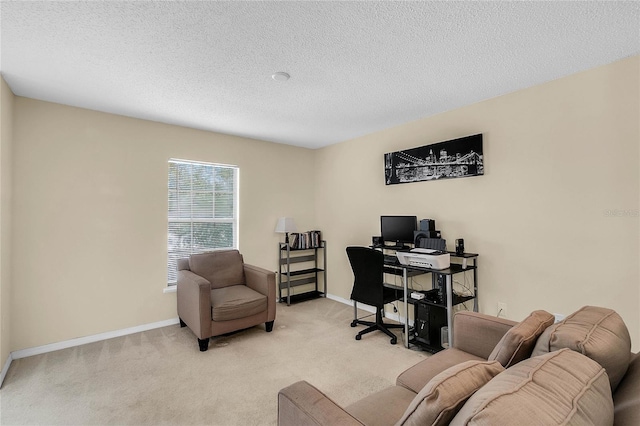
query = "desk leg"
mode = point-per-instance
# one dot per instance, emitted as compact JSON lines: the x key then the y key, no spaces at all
{"x":475,"y":286}
{"x":449,"y":310}
{"x":406,"y":308}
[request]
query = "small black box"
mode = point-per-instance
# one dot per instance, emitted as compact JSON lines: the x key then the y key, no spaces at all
{"x":428,"y":225}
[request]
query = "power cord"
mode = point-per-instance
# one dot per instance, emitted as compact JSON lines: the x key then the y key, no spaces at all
{"x":467,"y":290}
{"x":365,"y":317}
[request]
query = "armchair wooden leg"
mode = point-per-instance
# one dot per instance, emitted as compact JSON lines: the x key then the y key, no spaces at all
{"x":204,"y":344}
{"x":182,"y":323}
{"x":269,"y":326}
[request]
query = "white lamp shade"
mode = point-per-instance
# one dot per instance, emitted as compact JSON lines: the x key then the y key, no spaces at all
{"x":286,"y":224}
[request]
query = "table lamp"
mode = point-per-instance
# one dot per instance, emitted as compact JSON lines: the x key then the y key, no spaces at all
{"x":286,"y":225}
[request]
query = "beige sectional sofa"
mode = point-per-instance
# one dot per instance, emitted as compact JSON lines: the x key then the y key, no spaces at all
{"x":578,"y":371}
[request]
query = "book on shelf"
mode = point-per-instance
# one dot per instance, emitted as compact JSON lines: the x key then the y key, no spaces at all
{"x":316,"y":238}
{"x":305,"y":240}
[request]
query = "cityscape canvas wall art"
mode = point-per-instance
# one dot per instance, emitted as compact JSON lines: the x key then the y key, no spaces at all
{"x":455,"y":158}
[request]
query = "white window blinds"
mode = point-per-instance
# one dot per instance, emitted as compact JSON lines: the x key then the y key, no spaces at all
{"x":203,"y":210}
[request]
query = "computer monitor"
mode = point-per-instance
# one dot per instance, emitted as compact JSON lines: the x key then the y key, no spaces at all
{"x":398,"y":229}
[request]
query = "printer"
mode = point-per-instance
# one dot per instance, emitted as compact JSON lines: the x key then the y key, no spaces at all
{"x":425,"y":258}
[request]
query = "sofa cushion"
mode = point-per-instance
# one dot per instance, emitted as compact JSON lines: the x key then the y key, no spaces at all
{"x":598,"y":333}
{"x":382,"y":408}
{"x":626,"y":400}
{"x":518,"y":342}
{"x":237,"y":301}
{"x":221,"y":268}
{"x":415,"y":378}
{"x":562,"y":387}
{"x":478,"y":333}
{"x":442,"y":397}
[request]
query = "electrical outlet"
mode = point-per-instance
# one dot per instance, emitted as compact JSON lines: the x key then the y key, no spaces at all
{"x":559,"y":317}
{"x":502,"y":310}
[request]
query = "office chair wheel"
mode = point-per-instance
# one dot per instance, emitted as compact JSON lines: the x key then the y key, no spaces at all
{"x":358,"y":337}
{"x":394,"y":340}
{"x":354,"y":323}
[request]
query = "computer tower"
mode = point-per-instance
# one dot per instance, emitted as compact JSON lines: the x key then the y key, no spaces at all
{"x":428,"y":321}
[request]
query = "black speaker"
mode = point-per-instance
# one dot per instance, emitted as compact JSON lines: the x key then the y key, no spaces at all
{"x":426,"y":234}
{"x":428,"y":225}
{"x":376,"y":241}
{"x":429,"y":320}
{"x":420,"y":240}
{"x":460,"y":246}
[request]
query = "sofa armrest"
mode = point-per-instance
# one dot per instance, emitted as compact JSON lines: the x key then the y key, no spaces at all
{"x":302,"y":404}
{"x":626,"y":398}
{"x":263,"y":281}
{"x":477,"y":333}
{"x":194,"y":302}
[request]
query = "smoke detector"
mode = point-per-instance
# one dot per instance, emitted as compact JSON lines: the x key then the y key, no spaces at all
{"x":280,"y":76}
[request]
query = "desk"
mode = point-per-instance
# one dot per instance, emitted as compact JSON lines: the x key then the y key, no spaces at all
{"x":394,"y":267}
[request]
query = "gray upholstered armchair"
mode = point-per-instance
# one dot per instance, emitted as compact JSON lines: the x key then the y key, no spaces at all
{"x":218,"y":293}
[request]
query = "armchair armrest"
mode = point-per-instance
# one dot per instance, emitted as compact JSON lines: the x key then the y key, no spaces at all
{"x":260,"y":279}
{"x":477,"y":333}
{"x":194,"y":302}
{"x":263,"y":281}
{"x":301,"y":404}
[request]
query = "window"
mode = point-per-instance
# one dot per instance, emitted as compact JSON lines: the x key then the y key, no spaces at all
{"x":203,"y":210}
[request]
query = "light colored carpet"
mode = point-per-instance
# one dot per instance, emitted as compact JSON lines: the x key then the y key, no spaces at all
{"x":160,"y":377}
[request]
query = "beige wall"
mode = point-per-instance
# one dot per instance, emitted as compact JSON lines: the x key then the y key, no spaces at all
{"x":557,"y":157}
{"x":6,"y":167}
{"x":90,"y":215}
{"x":90,"y":198}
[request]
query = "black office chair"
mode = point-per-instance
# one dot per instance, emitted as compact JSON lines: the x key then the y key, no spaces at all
{"x":368,"y":288}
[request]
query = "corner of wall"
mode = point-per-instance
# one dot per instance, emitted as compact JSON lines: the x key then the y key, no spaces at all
{"x":6,"y":172}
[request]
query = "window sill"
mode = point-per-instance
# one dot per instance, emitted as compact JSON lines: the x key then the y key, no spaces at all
{"x":171,"y":289}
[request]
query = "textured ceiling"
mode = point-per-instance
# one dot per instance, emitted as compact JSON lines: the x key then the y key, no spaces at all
{"x":356,"y":67}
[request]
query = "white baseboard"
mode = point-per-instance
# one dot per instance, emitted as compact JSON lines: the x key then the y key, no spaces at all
{"x":350,"y":303}
{"x":367,"y":308}
{"x":22,"y":353}
{"x":5,"y":369}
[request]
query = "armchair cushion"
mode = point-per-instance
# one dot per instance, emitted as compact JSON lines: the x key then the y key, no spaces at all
{"x":236,"y":301}
{"x":221,"y":268}
{"x":517,"y":344}
{"x":442,"y":397}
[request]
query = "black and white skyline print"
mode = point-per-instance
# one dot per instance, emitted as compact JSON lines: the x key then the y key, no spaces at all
{"x":455,"y":158}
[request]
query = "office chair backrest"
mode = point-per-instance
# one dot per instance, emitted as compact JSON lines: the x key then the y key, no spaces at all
{"x":367,"y":265}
